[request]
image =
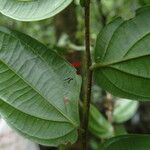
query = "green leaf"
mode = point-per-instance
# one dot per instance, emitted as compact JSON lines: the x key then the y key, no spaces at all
{"x":120,"y":130}
{"x":124,"y":109}
{"x":144,"y":2}
{"x":39,"y":91}
{"x":127,"y":142}
{"x":122,"y":57}
{"x":32,"y":10}
{"x":82,"y":3}
{"x":98,"y":125}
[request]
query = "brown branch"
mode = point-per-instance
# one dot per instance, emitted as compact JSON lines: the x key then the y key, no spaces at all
{"x":88,"y":82}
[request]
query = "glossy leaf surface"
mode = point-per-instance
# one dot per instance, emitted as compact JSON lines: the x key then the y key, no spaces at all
{"x":32,"y":10}
{"x":122,"y":57}
{"x":39,"y":91}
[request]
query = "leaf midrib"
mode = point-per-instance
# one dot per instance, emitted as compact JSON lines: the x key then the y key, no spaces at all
{"x":38,"y":117}
{"x":21,"y":131}
{"x":101,"y":65}
{"x":15,"y":109}
{"x":74,"y":124}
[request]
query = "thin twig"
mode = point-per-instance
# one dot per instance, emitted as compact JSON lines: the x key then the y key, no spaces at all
{"x":88,"y":82}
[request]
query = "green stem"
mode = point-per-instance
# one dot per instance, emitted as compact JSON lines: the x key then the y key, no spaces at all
{"x":88,"y":82}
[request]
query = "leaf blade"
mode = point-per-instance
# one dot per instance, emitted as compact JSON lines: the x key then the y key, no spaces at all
{"x":127,"y":53}
{"x":31,"y":83}
{"x":32,"y":10}
{"x":124,"y":109}
{"x":128,"y":142}
{"x":98,"y":125}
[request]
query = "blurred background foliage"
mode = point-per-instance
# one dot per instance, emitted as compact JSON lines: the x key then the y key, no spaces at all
{"x":64,"y":33}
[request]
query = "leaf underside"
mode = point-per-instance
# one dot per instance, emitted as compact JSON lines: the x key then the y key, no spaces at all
{"x":32,"y":10}
{"x":127,"y":142}
{"x":122,"y":57}
{"x":39,"y":91}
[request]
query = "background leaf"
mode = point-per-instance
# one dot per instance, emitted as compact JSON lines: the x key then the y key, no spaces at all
{"x":98,"y":125}
{"x":39,"y":90}
{"x":127,"y":142}
{"x":32,"y":10}
{"x":122,"y":57}
{"x":144,"y":2}
{"x":124,"y":109}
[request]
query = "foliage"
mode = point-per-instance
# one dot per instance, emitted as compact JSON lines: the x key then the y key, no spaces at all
{"x":98,"y":125}
{"x":124,"y":110}
{"x":116,"y":63}
{"x":127,"y":142}
{"x":32,"y":10}
{"x":40,"y":90}
{"x":44,"y":84}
